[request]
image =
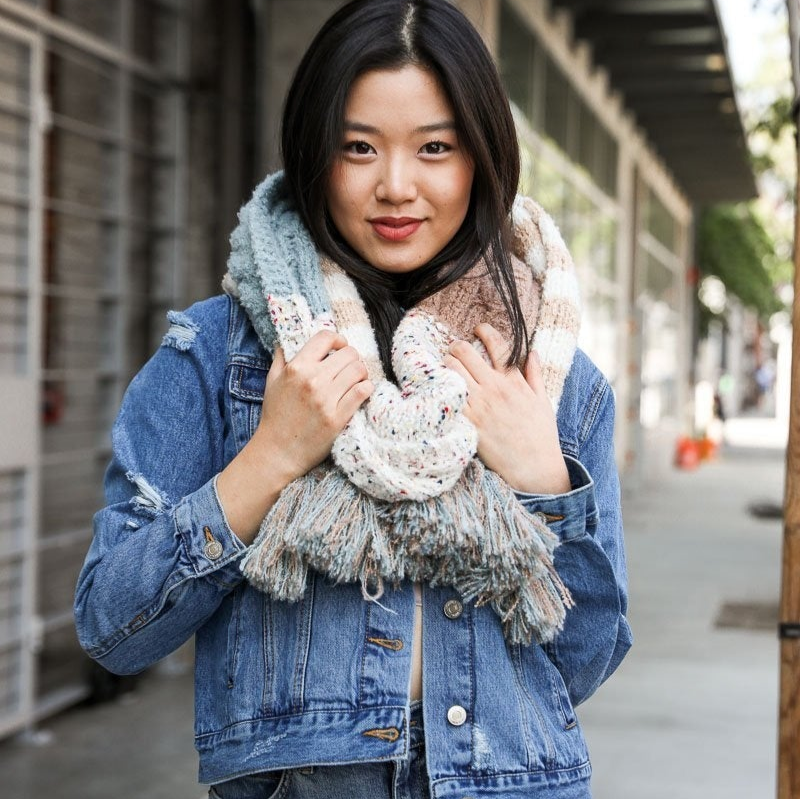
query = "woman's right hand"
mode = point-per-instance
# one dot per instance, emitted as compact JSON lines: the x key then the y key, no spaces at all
{"x":307,"y":403}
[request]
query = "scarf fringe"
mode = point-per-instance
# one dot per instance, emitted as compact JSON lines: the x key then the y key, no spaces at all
{"x":476,"y":538}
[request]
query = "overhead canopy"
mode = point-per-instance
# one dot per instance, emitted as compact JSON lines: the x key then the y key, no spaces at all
{"x":668,"y":59}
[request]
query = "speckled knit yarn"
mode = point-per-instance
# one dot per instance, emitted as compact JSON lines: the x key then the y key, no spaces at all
{"x":404,"y":495}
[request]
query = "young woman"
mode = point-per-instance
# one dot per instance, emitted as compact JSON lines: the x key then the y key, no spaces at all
{"x":375,"y":478}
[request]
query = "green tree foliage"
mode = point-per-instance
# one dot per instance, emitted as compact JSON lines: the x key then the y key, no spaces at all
{"x":748,"y":245}
{"x":771,"y":146}
{"x":733,"y":245}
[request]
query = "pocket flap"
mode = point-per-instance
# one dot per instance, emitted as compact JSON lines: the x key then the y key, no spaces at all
{"x":247,"y":382}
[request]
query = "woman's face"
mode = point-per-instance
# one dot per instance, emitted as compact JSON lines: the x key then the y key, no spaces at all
{"x":399,"y":188}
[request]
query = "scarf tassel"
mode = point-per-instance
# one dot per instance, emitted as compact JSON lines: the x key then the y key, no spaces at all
{"x":476,"y":538}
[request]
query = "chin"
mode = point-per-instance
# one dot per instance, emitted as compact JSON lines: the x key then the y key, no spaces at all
{"x":397,"y":268}
{"x":397,"y":264}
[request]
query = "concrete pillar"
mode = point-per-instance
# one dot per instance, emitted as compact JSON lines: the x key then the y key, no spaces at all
{"x":485,"y":16}
{"x":286,"y":28}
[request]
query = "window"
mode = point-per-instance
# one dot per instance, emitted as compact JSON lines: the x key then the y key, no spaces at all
{"x":659,"y":282}
{"x":569,"y":166}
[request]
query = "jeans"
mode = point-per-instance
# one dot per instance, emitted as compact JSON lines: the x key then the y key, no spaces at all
{"x":399,"y":779}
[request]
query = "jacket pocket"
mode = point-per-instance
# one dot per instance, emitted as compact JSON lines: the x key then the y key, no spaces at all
{"x":539,"y":724}
{"x":560,"y":693}
{"x":544,"y":681}
{"x":246,"y":383}
{"x":265,"y":785}
{"x":546,"y":694}
{"x":234,"y":626}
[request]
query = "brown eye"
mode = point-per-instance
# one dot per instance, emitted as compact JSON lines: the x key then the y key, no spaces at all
{"x":435,"y":148}
{"x":359,"y":148}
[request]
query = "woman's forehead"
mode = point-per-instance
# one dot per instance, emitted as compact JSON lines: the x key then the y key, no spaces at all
{"x":411,"y":97}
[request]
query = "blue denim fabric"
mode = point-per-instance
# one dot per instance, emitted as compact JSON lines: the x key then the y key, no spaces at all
{"x":402,"y":779}
{"x":314,"y":684}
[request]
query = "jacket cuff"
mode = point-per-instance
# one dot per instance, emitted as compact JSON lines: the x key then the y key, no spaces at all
{"x":569,"y":514}
{"x":209,"y":542}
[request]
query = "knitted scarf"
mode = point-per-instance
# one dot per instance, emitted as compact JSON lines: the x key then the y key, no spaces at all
{"x":403,"y":495}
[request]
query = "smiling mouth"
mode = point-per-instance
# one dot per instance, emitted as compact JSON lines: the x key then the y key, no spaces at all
{"x":395,"y":228}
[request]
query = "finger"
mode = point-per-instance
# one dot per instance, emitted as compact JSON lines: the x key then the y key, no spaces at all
{"x":495,"y":344}
{"x":533,"y":373}
{"x":351,"y":373}
{"x":353,"y":399}
{"x":453,"y":363}
{"x":471,"y":361}
{"x":277,"y":365}
{"x":338,"y":360}
{"x":320,"y":345}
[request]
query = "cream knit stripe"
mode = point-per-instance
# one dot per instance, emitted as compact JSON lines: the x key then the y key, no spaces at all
{"x":352,"y":319}
{"x":294,"y":323}
{"x":561,"y":284}
{"x":538,"y":241}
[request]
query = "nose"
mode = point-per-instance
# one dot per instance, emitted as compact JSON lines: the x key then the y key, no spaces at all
{"x":397,"y":182}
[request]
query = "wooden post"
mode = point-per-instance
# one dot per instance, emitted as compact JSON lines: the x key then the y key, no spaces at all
{"x":789,"y":721}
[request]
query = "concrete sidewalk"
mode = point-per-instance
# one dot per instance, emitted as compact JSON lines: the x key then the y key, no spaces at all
{"x":692,"y":712}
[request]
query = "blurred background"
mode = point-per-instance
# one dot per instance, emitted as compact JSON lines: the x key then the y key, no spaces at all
{"x":656,"y":132}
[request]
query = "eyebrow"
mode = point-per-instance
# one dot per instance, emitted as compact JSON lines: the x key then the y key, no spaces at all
{"x":359,"y":127}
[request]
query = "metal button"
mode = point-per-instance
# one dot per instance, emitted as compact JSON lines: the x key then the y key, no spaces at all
{"x":453,"y":608}
{"x":212,"y":549}
{"x":456,"y":715}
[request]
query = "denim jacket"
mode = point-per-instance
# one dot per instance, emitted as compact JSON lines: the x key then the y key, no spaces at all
{"x":326,"y":680}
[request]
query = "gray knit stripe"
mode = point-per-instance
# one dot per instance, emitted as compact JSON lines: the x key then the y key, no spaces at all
{"x":271,"y":247}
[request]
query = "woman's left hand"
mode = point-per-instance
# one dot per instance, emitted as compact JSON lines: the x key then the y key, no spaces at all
{"x":517,"y":433}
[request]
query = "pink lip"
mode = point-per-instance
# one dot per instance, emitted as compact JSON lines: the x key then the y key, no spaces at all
{"x":395,"y":228}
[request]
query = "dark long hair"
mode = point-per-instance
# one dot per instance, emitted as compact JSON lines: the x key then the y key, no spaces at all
{"x":367,"y":35}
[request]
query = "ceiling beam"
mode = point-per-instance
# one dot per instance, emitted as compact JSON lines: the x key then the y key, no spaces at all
{"x":626,"y":50}
{"x":705,"y":106}
{"x":607,"y":24}
{"x":668,"y":61}
{"x":677,"y":83}
{"x":653,"y":61}
{"x":627,"y":6}
{"x":679,"y":134}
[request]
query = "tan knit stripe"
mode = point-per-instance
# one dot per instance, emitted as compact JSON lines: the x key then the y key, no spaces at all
{"x":555,"y":348}
{"x":328,"y":267}
{"x":560,"y":313}
{"x":554,"y":379}
{"x":349,"y":312}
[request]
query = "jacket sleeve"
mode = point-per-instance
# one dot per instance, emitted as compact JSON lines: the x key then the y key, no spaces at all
{"x":163,"y":556}
{"x":590,"y":558}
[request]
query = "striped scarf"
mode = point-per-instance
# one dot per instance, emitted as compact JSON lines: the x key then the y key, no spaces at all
{"x":403,"y":495}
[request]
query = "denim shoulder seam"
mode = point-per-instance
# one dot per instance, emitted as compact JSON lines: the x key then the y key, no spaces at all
{"x":231,"y":322}
{"x":593,"y":406}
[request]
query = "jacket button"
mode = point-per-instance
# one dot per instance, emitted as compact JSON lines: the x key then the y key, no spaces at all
{"x":456,"y":715}
{"x":212,"y":549}
{"x":453,"y":608}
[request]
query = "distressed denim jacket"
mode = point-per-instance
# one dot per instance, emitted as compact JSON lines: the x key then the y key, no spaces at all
{"x":326,"y":680}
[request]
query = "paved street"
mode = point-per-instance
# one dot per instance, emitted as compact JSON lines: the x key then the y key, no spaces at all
{"x":691,"y":713}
